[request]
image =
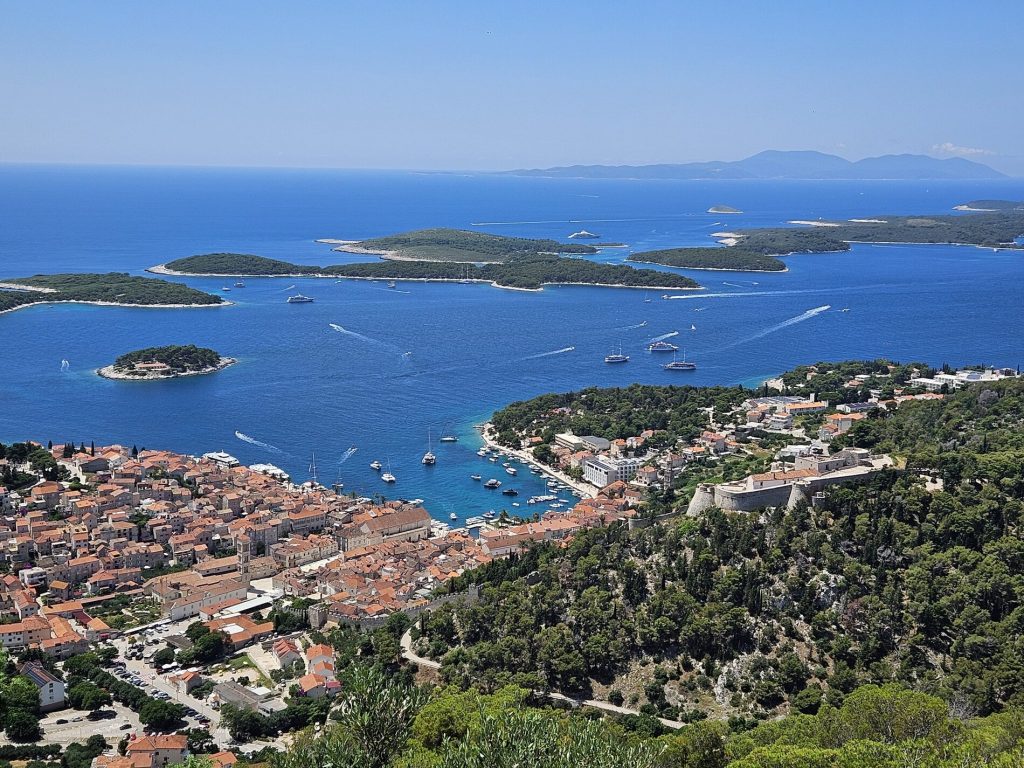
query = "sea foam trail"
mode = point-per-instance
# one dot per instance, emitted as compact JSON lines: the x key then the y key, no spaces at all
{"x":779,"y":326}
{"x":664,"y":336}
{"x":253,"y":441}
{"x":347,"y":455}
{"x":286,"y":289}
{"x":631,"y":327}
{"x":361,"y":337}
{"x":549,"y":354}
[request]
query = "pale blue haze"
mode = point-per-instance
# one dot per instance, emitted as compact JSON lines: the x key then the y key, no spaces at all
{"x":478,"y":85}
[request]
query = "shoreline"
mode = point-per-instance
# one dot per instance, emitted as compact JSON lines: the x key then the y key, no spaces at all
{"x":113,"y":304}
{"x":1000,"y":247}
{"x":109,"y":372}
{"x":588,"y":491}
{"x":714,"y":269}
{"x":160,"y":269}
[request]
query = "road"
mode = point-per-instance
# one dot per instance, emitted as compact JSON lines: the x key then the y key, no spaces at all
{"x":409,"y":655}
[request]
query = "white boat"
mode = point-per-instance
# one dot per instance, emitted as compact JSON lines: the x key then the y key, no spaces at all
{"x":476,"y":477}
{"x":376,"y":465}
{"x":512,"y":471}
{"x":482,"y":452}
{"x":429,"y":458}
{"x":391,"y":283}
{"x":453,"y":516}
{"x":492,"y":483}
{"x":583,"y":235}
{"x":387,"y":477}
{"x":240,"y":284}
{"x":680,"y":365}
{"x":298,"y":298}
{"x":226,"y":289}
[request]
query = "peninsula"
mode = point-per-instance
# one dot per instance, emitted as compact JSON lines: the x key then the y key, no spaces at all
{"x":524,"y":270}
{"x":754,"y":249}
{"x":169,"y":362}
{"x":109,"y":289}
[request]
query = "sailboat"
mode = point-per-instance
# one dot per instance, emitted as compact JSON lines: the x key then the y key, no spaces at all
{"x":617,"y":357}
{"x":647,"y":299}
{"x":680,"y":365}
{"x":465,"y":274}
{"x":447,"y":436}
{"x":429,"y":458}
{"x":693,"y":327}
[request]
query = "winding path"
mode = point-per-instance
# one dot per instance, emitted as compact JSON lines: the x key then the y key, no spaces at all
{"x":409,"y":655}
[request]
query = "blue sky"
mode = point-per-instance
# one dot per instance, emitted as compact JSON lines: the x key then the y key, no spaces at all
{"x":481,"y":85}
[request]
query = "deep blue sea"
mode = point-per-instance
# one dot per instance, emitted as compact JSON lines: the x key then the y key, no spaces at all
{"x":302,"y":387}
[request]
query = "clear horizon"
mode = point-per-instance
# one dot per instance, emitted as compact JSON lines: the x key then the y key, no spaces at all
{"x":460,"y":87}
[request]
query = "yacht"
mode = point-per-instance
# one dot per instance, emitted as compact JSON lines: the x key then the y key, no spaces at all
{"x":489,"y":514}
{"x":387,"y":477}
{"x":453,"y":516}
{"x":298,"y":298}
{"x":482,"y":452}
{"x":376,"y":465}
{"x":512,"y":471}
{"x":226,"y":289}
{"x":492,"y":483}
{"x":681,"y":365}
{"x":661,"y":346}
{"x":510,"y":492}
{"x":475,"y":477}
{"x":448,"y":438}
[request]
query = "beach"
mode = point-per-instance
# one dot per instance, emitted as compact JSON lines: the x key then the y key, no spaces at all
{"x":109,"y":372}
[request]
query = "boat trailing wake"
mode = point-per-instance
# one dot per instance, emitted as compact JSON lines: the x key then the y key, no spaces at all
{"x":733,"y":285}
{"x":631,"y":327}
{"x":253,"y":441}
{"x":549,"y":354}
{"x":290,"y":287}
{"x":64,"y":365}
{"x":779,"y":326}
{"x":361,"y":337}
{"x":347,"y":455}
{"x":664,"y":336}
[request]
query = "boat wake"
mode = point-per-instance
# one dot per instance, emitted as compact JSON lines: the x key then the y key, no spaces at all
{"x":290,"y":287}
{"x":347,"y":455}
{"x":549,"y":354}
{"x":664,"y":336}
{"x":733,"y":285}
{"x":361,"y":337}
{"x":253,"y":441}
{"x":779,"y":326}
{"x":64,"y":365}
{"x":631,"y":327}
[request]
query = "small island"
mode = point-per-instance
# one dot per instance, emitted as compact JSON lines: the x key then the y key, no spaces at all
{"x":721,"y":258}
{"x":109,"y":289}
{"x":723,"y":209}
{"x":989,"y":206}
{"x":169,"y":362}
{"x":459,"y":246}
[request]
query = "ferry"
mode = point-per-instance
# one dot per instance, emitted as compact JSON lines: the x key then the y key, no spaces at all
{"x":298,"y":298}
{"x":510,"y":492}
{"x":661,"y":346}
{"x":616,"y":358}
{"x":376,"y":465}
{"x":512,"y":471}
{"x":492,"y":483}
{"x":475,"y":477}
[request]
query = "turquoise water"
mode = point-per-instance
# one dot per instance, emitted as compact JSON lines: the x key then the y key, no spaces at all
{"x":426,"y":356}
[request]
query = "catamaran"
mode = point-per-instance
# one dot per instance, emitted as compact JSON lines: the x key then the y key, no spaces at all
{"x":387,"y":477}
{"x":429,"y":458}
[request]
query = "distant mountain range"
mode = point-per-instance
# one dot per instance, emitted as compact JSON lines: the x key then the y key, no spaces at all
{"x":776,"y":164}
